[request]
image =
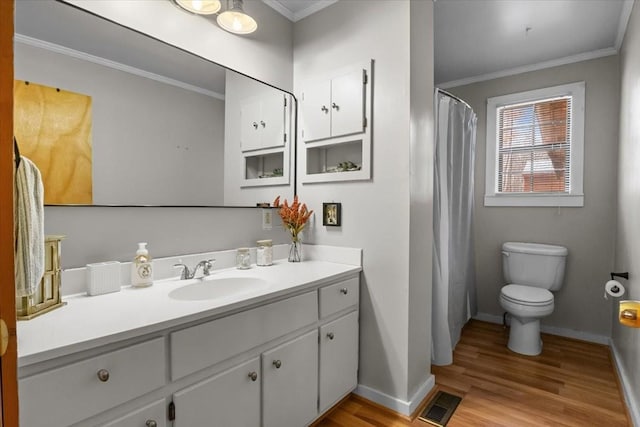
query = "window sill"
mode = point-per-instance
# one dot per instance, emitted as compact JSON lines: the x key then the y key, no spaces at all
{"x":537,"y":200}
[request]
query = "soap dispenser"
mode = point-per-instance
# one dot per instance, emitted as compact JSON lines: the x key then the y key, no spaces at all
{"x":142,"y":267}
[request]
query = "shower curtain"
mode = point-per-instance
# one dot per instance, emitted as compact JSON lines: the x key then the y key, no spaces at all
{"x":454,"y":291}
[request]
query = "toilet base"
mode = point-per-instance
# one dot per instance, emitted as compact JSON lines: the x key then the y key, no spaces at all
{"x":524,"y":336}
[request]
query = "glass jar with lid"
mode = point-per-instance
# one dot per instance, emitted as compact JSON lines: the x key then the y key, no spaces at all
{"x":243,"y":258}
{"x":264,"y":253}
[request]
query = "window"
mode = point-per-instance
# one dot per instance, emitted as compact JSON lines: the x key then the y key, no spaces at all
{"x":535,"y":147}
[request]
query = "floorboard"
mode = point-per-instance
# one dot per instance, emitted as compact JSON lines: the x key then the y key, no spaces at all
{"x":572,"y":383}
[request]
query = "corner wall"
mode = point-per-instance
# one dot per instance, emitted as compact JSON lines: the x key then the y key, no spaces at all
{"x":588,"y":232}
{"x":626,"y":341}
{"x":382,"y":215}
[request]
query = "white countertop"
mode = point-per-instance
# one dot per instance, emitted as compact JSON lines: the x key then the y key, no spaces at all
{"x":87,"y":322}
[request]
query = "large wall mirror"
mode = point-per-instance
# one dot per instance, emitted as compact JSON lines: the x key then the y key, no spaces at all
{"x":167,"y":128}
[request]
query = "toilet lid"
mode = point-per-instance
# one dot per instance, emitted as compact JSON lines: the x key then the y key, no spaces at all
{"x":528,"y":295}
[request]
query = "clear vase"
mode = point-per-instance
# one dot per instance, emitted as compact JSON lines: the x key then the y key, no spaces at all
{"x":295,"y":251}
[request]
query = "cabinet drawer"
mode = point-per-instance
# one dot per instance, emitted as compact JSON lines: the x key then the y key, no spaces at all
{"x":205,"y":345}
{"x":74,"y":392}
{"x":156,"y":413}
{"x":337,"y":297}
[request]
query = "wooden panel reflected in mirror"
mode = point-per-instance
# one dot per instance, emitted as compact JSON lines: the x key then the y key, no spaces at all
{"x":53,"y":129}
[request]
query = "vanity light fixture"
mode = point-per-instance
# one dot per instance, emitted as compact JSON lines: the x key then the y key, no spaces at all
{"x":199,"y":7}
{"x":235,"y":20}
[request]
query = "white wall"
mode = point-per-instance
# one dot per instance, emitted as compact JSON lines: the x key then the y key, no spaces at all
{"x":626,"y":341}
{"x":588,"y":232}
{"x":96,"y":234}
{"x":376,"y":214}
{"x":145,"y":150}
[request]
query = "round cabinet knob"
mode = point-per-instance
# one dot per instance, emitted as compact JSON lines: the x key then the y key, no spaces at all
{"x":330,"y":335}
{"x":103,"y":375}
{"x":277,"y":364}
{"x":255,"y":125}
{"x":253,"y":376}
{"x":151,"y":423}
{"x":263,"y":123}
{"x":335,"y":106}
{"x":325,"y":109}
{"x":344,"y":291}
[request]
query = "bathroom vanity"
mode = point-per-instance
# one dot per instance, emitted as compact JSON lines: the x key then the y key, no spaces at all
{"x":277,"y":355}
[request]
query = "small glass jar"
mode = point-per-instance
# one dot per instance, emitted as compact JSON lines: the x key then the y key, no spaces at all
{"x":264,"y":253}
{"x":243,"y":258}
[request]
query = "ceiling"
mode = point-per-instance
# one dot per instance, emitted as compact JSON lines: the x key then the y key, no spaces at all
{"x":478,"y":40}
{"x":481,"y":39}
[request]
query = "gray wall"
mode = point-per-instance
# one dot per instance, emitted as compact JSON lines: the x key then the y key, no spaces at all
{"x":376,"y":214}
{"x":145,"y":150}
{"x":588,"y":232}
{"x":626,"y":341}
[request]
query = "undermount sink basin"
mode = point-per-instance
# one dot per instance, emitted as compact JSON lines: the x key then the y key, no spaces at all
{"x":218,"y":288}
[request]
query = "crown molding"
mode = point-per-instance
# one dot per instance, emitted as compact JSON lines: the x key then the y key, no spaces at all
{"x":30,"y":41}
{"x":627,"y":7}
{"x":313,"y":7}
{"x":531,"y":67}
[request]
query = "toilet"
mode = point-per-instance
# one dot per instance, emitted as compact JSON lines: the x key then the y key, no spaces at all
{"x":531,"y":271}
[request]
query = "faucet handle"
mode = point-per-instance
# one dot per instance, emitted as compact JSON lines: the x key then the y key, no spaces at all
{"x":208,"y":266}
{"x":185,"y":271}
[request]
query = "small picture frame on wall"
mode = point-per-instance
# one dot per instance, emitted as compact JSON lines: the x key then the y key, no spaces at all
{"x":331,"y":214}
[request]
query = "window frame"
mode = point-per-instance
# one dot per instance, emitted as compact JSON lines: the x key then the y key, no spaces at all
{"x":575,"y":197}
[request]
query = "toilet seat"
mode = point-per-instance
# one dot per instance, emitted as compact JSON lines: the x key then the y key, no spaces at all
{"x":526,"y":295}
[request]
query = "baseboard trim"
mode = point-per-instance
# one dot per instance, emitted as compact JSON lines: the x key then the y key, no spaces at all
{"x":398,"y":405}
{"x":563,"y":332}
{"x":628,"y":392}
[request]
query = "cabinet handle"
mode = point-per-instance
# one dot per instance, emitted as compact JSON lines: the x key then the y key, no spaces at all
{"x":263,"y":123}
{"x":335,"y":106}
{"x":324,"y":109}
{"x":344,"y":291}
{"x":330,"y":335}
{"x":103,"y":375}
{"x":277,"y":364}
{"x":253,"y":375}
{"x":151,"y":423}
{"x":255,"y":125}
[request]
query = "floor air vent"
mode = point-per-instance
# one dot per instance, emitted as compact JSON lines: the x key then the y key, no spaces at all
{"x":440,"y":409}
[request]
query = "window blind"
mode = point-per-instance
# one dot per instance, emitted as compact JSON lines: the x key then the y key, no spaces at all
{"x":534,"y":147}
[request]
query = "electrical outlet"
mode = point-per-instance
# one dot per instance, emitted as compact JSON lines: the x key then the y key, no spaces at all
{"x":267,"y":219}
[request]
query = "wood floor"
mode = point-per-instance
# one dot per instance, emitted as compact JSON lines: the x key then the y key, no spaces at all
{"x":572,"y":383}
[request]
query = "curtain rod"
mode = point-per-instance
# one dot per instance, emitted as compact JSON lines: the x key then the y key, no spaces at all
{"x":450,"y":95}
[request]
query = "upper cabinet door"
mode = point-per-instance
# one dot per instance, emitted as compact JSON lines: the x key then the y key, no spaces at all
{"x":272,"y":120}
{"x":250,"y":131}
{"x":316,"y":111}
{"x":347,"y":103}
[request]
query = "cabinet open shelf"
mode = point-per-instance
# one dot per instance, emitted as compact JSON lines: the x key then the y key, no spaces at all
{"x":335,"y":162}
{"x":265,"y":169}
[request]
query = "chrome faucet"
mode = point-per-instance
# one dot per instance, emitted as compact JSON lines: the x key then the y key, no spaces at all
{"x":207,"y":266}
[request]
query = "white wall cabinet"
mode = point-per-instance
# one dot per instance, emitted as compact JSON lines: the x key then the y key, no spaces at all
{"x":281,"y":363}
{"x":263,"y":121}
{"x":336,"y":126}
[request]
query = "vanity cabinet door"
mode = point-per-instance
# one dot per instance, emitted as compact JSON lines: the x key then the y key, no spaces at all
{"x":316,"y":110}
{"x":290,"y":382}
{"x":231,"y":398}
{"x":153,"y":415}
{"x":338,"y":359}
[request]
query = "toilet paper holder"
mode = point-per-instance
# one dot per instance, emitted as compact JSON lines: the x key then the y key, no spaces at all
{"x":624,"y":275}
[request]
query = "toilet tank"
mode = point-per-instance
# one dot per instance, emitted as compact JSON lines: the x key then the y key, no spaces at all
{"x":534,"y":264}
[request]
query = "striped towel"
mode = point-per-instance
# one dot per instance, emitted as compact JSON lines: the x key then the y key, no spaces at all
{"x":29,"y":228}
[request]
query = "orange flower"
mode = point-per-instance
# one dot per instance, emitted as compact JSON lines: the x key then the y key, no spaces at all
{"x":294,"y":217}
